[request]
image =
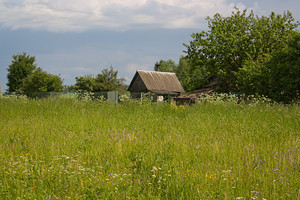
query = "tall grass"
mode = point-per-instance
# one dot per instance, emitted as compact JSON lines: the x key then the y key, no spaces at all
{"x":65,"y":149}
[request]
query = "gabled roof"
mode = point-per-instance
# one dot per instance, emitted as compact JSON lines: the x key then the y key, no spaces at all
{"x":156,"y":82}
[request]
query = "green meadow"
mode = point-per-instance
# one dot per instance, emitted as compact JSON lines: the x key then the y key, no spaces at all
{"x":68,"y":149}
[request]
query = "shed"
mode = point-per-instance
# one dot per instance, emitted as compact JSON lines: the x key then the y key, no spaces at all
{"x":160,"y":83}
{"x":192,"y":97}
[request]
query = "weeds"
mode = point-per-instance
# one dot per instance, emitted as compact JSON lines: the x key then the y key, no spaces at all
{"x":68,"y":149}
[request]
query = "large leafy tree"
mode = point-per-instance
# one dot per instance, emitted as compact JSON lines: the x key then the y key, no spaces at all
{"x":279,"y":78}
{"x":41,"y":81}
{"x":22,"y":66}
{"x":283,"y":73}
{"x":241,"y":41}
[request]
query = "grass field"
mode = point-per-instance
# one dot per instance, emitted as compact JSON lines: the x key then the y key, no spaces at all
{"x":65,"y":149}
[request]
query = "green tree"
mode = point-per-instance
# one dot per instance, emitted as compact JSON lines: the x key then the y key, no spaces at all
{"x":107,"y":80}
{"x":165,"y":66}
{"x":21,"y":67}
{"x":239,"y":41}
{"x":190,"y":76}
{"x":41,"y":81}
{"x":283,"y":73}
{"x":85,"y":83}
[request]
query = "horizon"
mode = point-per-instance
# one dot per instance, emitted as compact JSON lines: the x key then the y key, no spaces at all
{"x":74,"y":38}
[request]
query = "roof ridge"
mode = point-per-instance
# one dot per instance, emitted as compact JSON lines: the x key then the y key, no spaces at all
{"x":155,"y":71}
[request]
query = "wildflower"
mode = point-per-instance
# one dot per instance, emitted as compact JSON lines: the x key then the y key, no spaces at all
{"x":181,"y":107}
{"x":173,"y":106}
{"x":226,"y":171}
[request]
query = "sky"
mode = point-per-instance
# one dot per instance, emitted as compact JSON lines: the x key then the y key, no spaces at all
{"x":82,"y":37}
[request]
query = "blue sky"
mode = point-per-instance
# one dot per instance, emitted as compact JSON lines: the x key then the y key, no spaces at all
{"x":76,"y":37}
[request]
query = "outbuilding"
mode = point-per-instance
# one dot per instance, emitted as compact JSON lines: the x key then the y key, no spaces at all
{"x":159,"y":83}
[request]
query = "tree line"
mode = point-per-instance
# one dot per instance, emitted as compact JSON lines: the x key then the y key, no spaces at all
{"x":25,"y":77}
{"x":243,"y":53}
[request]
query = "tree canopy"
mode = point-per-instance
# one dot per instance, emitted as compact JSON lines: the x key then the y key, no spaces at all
{"x":41,"y":81}
{"x":280,"y":77}
{"x":22,"y":66}
{"x":236,"y":46}
{"x":234,"y":41}
{"x":165,"y":66}
{"x":107,"y":80}
{"x":24,"y":76}
{"x":182,"y":70}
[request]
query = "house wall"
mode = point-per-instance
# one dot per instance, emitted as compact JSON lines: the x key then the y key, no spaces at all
{"x":138,"y":85}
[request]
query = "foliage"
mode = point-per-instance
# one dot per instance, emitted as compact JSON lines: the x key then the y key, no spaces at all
{"x":165,"y":66}
{"x":242,"y":99}
{"x":69,"y":149}
{"x":283,"y":73}
{"x":241,"y":41}
{"x":41,"y":81}
{"x":125,"y":97}
{"x":13,"y":96}
{"x":24,"y":77}
{"x":21,"y":67}
{"x":187,"y":76}
{"x":108,"y":80}
{"x":278,"y":78}
{"x":84,"y":83}
{"x":190,"y":77}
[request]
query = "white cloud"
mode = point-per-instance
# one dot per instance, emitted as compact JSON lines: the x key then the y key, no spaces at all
{"x":131,"y":68}
{"x":78,"y":15}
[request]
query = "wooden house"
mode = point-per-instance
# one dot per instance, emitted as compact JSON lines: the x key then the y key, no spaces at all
{"x":159,"y":83}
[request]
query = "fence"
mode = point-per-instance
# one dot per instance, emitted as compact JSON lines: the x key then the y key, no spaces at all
{"x":111,"y":96}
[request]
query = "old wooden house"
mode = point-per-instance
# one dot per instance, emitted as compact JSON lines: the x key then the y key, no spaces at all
{"x":159,"y":83}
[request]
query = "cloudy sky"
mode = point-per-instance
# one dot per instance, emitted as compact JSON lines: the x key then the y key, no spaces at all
{"x":82,"y":37}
